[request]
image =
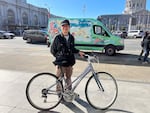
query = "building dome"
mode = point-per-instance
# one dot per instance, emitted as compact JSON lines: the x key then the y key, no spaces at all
{"x":133,"y":6}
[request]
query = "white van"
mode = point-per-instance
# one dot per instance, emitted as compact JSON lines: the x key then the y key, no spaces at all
{"x":135,"y":34}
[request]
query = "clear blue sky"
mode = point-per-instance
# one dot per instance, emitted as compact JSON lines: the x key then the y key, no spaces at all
{"x":83,"y":8}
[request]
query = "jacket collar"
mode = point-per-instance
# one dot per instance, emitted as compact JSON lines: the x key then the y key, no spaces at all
{"x":63,"y":35}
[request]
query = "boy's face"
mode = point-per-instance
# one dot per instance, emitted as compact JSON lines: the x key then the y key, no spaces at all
{"x":65,"y":29}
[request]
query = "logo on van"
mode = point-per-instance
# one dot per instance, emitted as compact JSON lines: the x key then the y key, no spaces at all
{"x":98,"y":41}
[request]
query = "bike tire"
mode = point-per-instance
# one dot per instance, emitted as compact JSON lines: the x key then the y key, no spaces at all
{"x":37,"y":85}
{"x":98,"y":98}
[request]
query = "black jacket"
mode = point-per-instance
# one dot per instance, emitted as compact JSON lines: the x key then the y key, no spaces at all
{"x":63,"y":50}
{"x":146,"y":43}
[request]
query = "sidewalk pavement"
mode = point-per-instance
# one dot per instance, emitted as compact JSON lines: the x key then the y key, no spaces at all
{"x":133,"y":97}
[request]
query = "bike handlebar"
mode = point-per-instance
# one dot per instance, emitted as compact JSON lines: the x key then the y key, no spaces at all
{"x":90,"y":58}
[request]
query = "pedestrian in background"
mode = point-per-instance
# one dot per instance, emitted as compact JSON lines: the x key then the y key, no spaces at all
{"x":146,"y":48}
{"x":142,"y":44}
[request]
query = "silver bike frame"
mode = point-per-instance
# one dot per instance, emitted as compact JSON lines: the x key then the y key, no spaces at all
{"x":87,"y":70}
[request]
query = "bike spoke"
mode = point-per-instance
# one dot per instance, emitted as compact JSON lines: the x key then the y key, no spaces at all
{"x":41,"y":91}
{"x":101,"y":92}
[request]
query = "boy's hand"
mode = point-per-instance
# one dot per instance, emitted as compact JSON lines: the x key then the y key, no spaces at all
{"x":81,"y":54}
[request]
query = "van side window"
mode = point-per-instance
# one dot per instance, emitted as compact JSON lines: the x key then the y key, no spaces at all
{"x":98,"y":30}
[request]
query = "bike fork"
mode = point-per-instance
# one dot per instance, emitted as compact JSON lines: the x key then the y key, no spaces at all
{"x":98,"y":82}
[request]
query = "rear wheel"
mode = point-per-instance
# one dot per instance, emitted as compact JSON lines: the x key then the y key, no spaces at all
{"x":110,"y":50}
{"x":4,"y":37}
{"x":24,"y":38}
{"x":9,"y":37}
{"x":48,"y":44}
{"x":29,"y":40}
{"x":12,"y":37}
{"x":134,"y":36}
{"x":41,"y":91}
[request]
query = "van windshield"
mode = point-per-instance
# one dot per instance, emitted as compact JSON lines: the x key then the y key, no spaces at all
{"x":106,"y":29}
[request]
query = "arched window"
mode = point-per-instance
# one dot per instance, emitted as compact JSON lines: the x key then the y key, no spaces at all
{"x":130,"y":4}
{"x":25,"y":18}
{"x":133,"y":5}
{"x":35,"y":20}
{"x":11,"y":16}
{"x":141,"y":5}
{"x":43,"y":18}
{"x":137,"y":5}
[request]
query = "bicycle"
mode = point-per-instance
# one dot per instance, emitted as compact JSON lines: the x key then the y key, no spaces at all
{"x":101,"y":89}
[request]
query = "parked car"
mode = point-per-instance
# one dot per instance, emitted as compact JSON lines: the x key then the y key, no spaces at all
{"x":6,"y":35}
{"x":122,"y":34}
{"x":135,"y":34}
{"x":117,"y":33}
{"x":35,"y":36}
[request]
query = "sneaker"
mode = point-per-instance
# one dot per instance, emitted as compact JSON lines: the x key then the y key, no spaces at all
{"x":145,"y":62}
{"x":76,"y":95}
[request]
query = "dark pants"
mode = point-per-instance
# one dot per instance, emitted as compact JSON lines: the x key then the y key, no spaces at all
{"x":146,"y":55}
{"x":141,"y":54}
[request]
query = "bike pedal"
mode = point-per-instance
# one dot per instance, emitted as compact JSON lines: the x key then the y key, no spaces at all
{"x":44,"y":96}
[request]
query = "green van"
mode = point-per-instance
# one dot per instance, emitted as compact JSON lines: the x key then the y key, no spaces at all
{"x":90,"y":34}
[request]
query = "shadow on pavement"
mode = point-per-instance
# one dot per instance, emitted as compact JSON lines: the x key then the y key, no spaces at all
{"x":38,"y":43}
{"x":49,"y":112}
{"x":119,"y":58}
{"x":89,"y":109}
{"x":75,"y":109}
{"x":118,"y":110}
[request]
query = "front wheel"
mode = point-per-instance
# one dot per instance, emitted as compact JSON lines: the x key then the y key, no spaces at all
{"x":110,"y":50}
{"x":101,"y":90}
{"x":41,"y":91}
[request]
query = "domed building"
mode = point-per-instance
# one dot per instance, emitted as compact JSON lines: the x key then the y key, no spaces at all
{"x":133,"y":6}
{"x":135,"y":16}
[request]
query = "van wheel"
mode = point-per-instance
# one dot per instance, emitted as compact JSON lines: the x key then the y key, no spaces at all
{"x":110,"y":50}
{"x":48,"y":44}
{"x":4,"y":37}
{"x":29,"y":40}
{"x":9,"y":37}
